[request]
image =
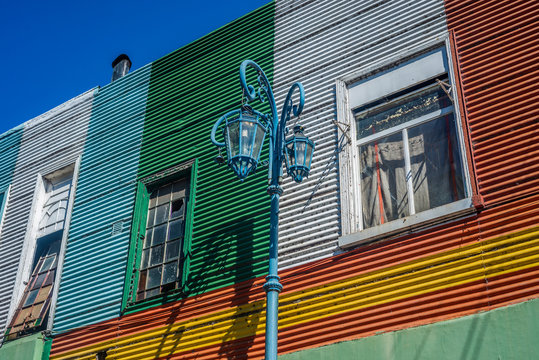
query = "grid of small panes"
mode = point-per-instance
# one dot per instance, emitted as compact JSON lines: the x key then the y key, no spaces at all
{"x":161,"y":258}
{"x":55,"y":208}
{"x":35,"y":303}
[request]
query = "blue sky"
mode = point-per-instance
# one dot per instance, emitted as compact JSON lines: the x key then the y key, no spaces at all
{"x":51,"y":51}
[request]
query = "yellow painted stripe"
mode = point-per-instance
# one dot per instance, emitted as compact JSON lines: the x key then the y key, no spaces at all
{"x":473,"y":262}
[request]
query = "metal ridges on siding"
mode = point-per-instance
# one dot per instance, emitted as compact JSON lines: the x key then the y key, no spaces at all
{"x":49,"y":142}
{"x":9,"y":149}
{"x":95,"y":262}
{"x":433,"y":276}
{"x":317,"y":43}
{"x":189,"y":90}
{"x":497,"y":47}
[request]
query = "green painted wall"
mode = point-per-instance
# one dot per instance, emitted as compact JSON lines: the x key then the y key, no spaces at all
{"x":26,"y":348}
{"x":189,"y":90}
{"x":505,"y":333}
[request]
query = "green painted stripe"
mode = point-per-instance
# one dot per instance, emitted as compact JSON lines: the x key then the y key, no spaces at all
{"x":505,"y":333}
{"x":189,"y":90}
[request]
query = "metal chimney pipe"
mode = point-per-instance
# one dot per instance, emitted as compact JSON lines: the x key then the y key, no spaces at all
{"x":120,"y":66}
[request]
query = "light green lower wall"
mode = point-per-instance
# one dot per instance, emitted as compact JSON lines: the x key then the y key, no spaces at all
{"x":507,"y":333}
{"x":26,"y":348}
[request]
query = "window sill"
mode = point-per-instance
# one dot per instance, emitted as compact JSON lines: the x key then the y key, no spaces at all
{"x":157,"y":300}
{"x":413,"y":222}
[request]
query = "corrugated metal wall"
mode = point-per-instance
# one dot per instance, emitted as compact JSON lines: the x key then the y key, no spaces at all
{"x":472,"y":264}
{"x":49,"y":142}
{"x":435,"y":275}
{"x":95,"y":261}
{"x":190,"y":89}
{"x":497,"y":50}
{"x":9,"y":149}
{"x":316,"y":43}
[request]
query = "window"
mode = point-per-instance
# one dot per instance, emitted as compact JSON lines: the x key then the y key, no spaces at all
{"x":32,"y":311}
{"x":406,"y":157}
{"x":34,"y":306}
{"x":161,"y":234}
{"x":165,"y":231}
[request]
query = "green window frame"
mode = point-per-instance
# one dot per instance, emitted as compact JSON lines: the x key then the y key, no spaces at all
{"x":141,"y":245}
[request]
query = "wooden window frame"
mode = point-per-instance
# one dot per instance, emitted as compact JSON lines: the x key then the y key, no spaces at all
{"x":129,"y":302}
{"x":34,"y":239}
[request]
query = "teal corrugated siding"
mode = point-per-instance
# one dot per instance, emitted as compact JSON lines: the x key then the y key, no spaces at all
{"x":9,"y":149}
{"x":95,"y":261}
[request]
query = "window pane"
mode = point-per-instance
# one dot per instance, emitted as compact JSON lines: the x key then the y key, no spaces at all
{"x":142,"y":280}
{"x":43,"y":294}
{"x":176,"y":208}
{"x":161,"y":214}
{"x":175,"y":229}
{"x":151,"y":293}
{"x":383,"y":186}
{"x":30,"y":298}
{"x":164,"y":194}
{"x":436,"y":169}
{"x":178,"y":189}
{"x":151,"y":217}
{"x":145,"y":259}
{"x":154,"y":277}
{"x":173,"y":250}
{"x":157,"y":255}
{"x":169,"y":272}
{"x":148,"y":238}
{"x":400,"y":111}
{"x":39,"y":281}
{"x":47,"y":263}
{"x":153,"y":199}
{"x":50,"y":278}
{"x":159,"y":234}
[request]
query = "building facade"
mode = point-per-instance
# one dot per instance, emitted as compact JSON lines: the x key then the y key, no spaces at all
{"x":414,"y":236}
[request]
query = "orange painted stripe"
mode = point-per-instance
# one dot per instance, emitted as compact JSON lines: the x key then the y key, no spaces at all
{"x":494,"y":222}
{"x":462,"y":300}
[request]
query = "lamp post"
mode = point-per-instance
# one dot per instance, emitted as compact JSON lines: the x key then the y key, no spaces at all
{"x":244,"y":132}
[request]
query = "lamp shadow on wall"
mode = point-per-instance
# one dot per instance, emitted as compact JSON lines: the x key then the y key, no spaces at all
{"x":227,"y":259}
{"x":242,"y":324}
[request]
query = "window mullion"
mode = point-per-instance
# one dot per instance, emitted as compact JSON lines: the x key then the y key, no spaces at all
{"x":408,"y":171}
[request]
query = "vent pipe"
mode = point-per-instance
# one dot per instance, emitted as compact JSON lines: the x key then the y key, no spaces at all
{"x":120,"y":67}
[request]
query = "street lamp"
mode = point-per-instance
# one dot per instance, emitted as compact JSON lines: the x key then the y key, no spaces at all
{"x":244,"y":132}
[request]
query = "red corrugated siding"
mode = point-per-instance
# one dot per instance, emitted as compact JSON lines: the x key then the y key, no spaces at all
{"x":497,"y":50}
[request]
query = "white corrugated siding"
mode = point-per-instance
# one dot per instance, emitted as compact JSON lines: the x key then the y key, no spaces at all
{"x":318,"y":42}
{"x":49,"y":142}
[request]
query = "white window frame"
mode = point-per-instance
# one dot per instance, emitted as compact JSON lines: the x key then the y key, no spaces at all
{"x":32,"y":234}
{"x":370,"y":84}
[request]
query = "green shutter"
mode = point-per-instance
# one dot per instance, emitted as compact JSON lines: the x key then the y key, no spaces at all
{"x":135,"y":246}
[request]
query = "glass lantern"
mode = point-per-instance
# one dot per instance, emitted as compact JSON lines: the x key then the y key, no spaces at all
{"x":298,"y":154}
{"x":245,"y":131}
